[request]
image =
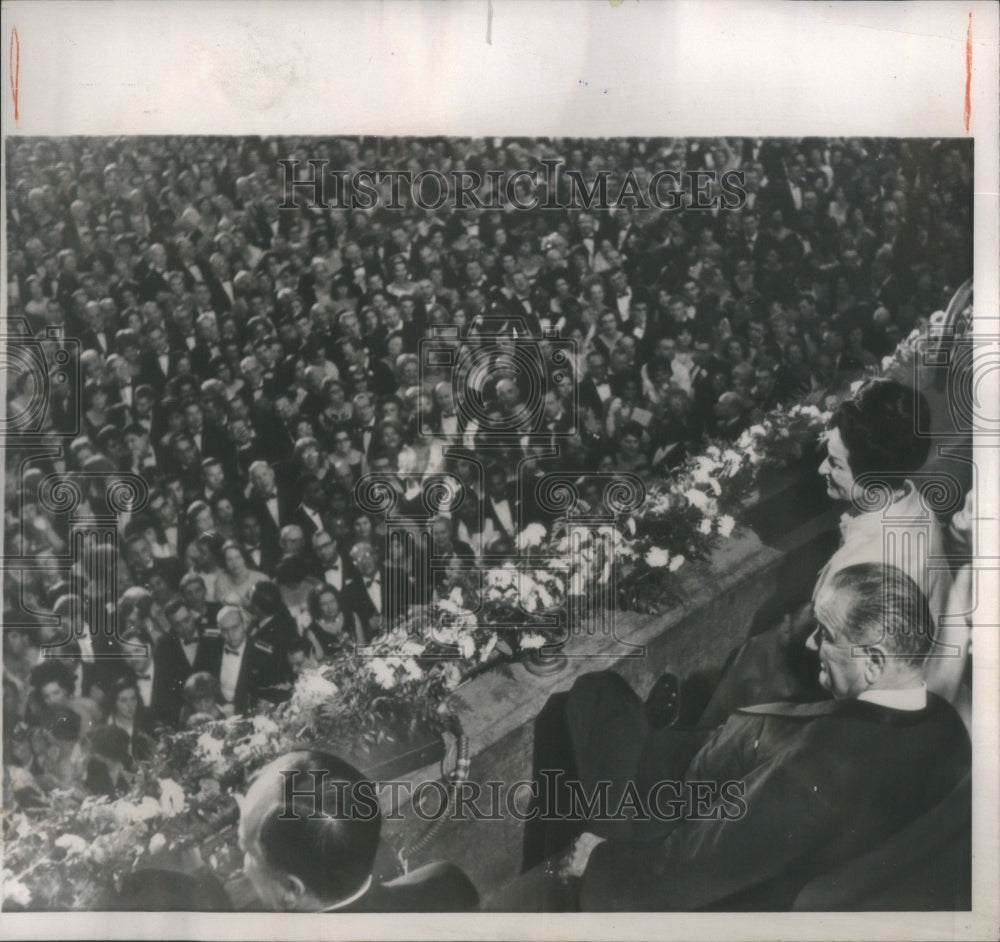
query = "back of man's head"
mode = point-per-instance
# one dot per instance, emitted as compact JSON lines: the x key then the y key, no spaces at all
{"x":312,"y":819}
{"x":882,"y":605}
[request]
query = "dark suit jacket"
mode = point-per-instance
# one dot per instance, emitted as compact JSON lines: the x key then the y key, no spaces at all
{"x":824,"y":783}
{"x":172,"y":669}
{"x":259,"y":668}
{"x":438,"y":887}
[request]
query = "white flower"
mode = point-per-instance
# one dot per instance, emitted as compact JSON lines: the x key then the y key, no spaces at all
{"x":466,"y":646}
{"x":312,"y":690}
{"x":487,"y":649}
{"x":172,"y":800}
{"x":531,"y":641}
{"x":14,"y":891}
{"x":455,"y":597}
{"x":532,"y":535}
{"x":856,"y":385}
{"x":726,"y":524}
{"x":656,"y":557}
{"x":209,"y":748}
{"x":413,"y":669}
{"x":128,"y":812}
{"x":705,"y":527}
{"x":156,"y":843}
{"x":385,"y":676}
{"x":72,"y":843}
{"x":264,"y":724}
{"x":756,"y":430}
{"x":697,"y":498}
{"x":676,"y":562}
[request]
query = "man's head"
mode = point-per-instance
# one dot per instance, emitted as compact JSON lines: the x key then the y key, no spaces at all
{"x":309,"y":829}
{"x":231,"y":625}
{"x":874,"y":631}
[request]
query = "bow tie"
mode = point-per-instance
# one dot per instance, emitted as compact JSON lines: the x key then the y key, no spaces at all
{"x":146,"y":676}
{"x":372,"y":581}
{"x":229,"y":650}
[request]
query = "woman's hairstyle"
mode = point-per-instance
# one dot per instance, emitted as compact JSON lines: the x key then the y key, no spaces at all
{"x":233,"y":545}
{"x":47,"y":672}
{"x":119,"y":687}
{"x":200,"y":686}
{"x":879,"y":428}
{"x":317,"y":593}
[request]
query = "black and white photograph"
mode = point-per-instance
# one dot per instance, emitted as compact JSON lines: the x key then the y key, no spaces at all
{"x":476,"y":525}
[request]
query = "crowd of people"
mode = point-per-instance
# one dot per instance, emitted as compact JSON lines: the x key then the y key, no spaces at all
{"x":252,"y":364}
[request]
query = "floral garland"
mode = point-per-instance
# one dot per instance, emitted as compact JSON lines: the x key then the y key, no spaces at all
{"x":67,"y":850}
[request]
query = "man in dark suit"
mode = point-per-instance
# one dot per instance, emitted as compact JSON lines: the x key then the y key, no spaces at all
{"x":267,"y":505}
{"x":310,"y":826}
{"x":820,"y":784}
{"x":174,"y":657}
{"x":367,"y":595}
{"x":275,"y":625}
{"x":241,"y":666}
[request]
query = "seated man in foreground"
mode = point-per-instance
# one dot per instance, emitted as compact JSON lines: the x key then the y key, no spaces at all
{"x":310,"y":826}
{"x":824,"y":783}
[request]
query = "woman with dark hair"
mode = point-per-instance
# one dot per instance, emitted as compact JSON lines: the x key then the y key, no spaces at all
{"x":126,"y":713}
{"x":387,"y":440}
{"x":331,"y":632}
{"x":95,"y":402}
{"x":224,"y":514}
{"x":873,"y":447}
{"x":237,"y":579}
{"x":295,"y":584}
{"x":201,"y":700}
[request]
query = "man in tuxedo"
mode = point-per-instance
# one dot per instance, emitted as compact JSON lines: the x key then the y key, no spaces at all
{"x":823,"y":783}
{"x":266,"y":504}
{"x":241,"y":666}
{"x":275,"y":625}
{"x":174,"y":657}
{"x":307,"y":515}
{"x":195,"y":596}
{"x":310,"y":826}
{"x":595,"y":389}
{"x":500,"y":505}
{"x":365,"y":595}
{"x":330,"y":566}
{"x":158,"y":363}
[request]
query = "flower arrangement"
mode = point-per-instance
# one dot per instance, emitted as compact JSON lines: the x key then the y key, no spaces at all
{"x":65,"y":851}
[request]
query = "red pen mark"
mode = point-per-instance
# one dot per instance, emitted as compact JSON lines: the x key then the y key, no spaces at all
{"x":968,"y":73}
{"x":15,"y":68}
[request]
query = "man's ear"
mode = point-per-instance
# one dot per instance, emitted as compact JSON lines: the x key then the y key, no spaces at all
{"x":292,"y":891}
{"x":876,"y":661}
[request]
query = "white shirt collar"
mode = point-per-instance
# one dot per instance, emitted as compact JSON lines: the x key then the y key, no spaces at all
{"x":909,"y":698}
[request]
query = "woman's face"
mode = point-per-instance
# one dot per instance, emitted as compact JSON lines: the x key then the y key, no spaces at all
{"x":204,"y":521}
{"x":52,"y":695}
{"x":390,"y":437}
{"x":310,"y":457}
{"x":328,"y":606}
{"x":224,"y":510}
{"x":126,"y":703}
{"x":835,"y":470}
{"x":234,"y":562}
{"x":363,"y":528}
